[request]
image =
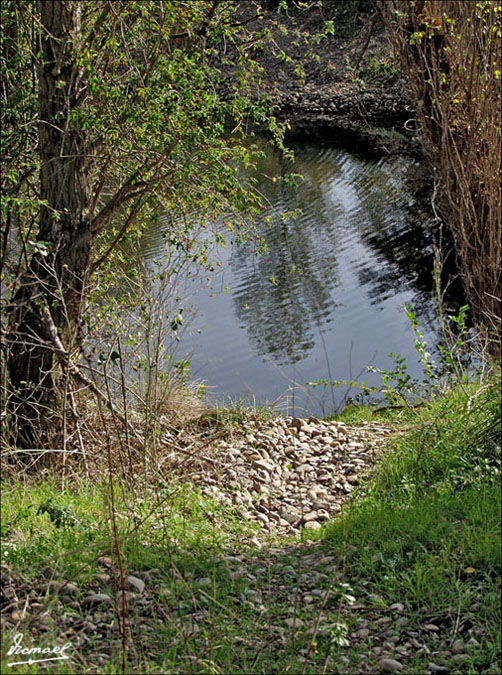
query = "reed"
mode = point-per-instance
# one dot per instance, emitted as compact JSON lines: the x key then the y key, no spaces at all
{"x":451,"y":53}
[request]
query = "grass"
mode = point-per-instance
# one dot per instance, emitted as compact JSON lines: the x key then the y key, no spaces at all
{"x":420,"y":546}
{"x":426,"y":530}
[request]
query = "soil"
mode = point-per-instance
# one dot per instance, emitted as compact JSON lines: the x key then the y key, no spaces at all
{"x":352,"y":92}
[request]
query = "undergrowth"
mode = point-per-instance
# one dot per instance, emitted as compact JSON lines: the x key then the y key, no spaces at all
{"x":422,"y":535}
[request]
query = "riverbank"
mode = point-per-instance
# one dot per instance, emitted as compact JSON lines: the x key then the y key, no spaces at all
{"x":406,"y":578}
{"x":347,"y":89}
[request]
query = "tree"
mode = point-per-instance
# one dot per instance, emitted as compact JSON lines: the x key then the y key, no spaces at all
{"x":111,"y":111}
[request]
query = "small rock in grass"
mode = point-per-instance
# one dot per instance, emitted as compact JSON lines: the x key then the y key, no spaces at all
{"x":431,"y":627}
{"x":62,"y":588}
{"x":313,"y":525}
{"x":458,"y":647}
{"x":435,"y":668}
{"x":389,"y":665}
{"x":70,"y":589}
{"x":397,"y":607}
{"x":102,"y":578}
{"x":97,"y":599}
{"x":128,"y":596}
{"x":362,"y":633}
{"x":472,"y":643}
{"x":137,"y":584}
{"x":458,"y":659}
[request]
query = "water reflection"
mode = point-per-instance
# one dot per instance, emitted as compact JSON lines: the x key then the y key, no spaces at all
{"x":326,"y":298}
{"x":286,"y":294}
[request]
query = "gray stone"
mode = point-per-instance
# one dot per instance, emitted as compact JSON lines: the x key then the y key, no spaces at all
{"x":311,"y":515}
{"x":435,"y":668}
{"x":135,"y":583}
{"x":397,"y":607}
{"x":313,"y":525}
{"x":362,"y":633}
{"x":458,"y":647}
{"x":63,"y":588}
{"x":96,"y":599}
{"x":262,"y":464}
{"x":387,"y":665}
{"x":129,"y":598}
{"x":291,"y":517}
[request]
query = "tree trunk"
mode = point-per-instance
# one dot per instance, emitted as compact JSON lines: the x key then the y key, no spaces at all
{"x":56,"y":275}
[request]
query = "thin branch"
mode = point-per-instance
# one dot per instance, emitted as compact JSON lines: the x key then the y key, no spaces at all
{"x":65,"y":360}
{"x":117,"y":237}
{"x":97,"y":25}
{"x":128,"y":190}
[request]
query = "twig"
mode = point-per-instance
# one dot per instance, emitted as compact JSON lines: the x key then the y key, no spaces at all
{"x":65,"y":359}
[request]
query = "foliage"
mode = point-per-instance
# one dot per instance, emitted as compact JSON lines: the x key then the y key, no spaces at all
{"x":150,"y":103}
{"x":397,"y":387}
{"x":379,"y":69}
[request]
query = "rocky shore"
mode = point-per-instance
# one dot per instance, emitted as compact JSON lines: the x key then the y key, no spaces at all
{"x":352,"y":93}
{"x":288,"y":473}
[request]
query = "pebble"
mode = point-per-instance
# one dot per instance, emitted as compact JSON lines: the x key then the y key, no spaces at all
{"x":435,"y":668}
{"x":102,"y":578}
{"x":97,"y":599}
{"x":313,"y":525}
{"x":362,"y":633}
{"x":63,"y":588}
{"x":303,"y":469}
{"x":389,"y":665}
{"x":458,"y":647}
{"x":136,"y":583}
{"x":397,"y":607}
{"x":311,"y":515}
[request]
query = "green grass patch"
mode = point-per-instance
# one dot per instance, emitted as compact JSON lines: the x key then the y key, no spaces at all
{"x":423,"y":531}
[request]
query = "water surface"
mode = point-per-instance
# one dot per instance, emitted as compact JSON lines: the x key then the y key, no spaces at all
{"x":326,"y":299}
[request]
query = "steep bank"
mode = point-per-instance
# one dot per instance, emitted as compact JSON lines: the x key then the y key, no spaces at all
{"x":351,"y":93}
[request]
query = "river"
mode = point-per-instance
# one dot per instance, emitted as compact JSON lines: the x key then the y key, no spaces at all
{"x":326,"y":299}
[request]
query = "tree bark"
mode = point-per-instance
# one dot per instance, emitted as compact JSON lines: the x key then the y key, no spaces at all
{"x":56,"y":274}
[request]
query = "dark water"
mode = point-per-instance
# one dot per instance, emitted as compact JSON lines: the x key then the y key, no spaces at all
{"x":327,"y":298}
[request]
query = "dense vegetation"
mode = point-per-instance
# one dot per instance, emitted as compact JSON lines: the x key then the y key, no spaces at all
{"x":452,"y":55}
